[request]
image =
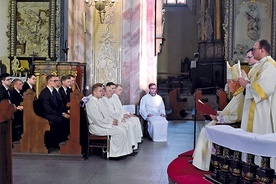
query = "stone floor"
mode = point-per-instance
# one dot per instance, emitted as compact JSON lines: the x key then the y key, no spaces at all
{"x":149,"y":166}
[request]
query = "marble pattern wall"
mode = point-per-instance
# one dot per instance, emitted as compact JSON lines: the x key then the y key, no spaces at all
{"x":120,"y":50}
{"x":138,"y":60}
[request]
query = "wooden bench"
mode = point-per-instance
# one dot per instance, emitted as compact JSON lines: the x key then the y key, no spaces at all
{"x":177,"y":104}
{"x":221,"y":99}
{"x":35,"y":126}
{"x":6,"y":114}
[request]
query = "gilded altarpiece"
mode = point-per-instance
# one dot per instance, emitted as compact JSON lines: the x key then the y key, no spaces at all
{"x":245,"y":22}
{"x":32,"y":30}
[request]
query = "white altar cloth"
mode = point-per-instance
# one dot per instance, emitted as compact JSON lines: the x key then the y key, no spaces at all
{"x":240,"y":140}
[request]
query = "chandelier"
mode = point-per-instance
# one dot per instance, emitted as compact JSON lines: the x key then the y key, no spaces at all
{"x":100,"y":6}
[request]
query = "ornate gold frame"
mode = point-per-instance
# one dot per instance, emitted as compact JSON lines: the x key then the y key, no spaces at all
{"x":12,"y":28}
{"x":229,"y":25}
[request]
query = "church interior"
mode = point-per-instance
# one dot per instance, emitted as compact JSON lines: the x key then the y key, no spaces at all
{"x":181,"y":45}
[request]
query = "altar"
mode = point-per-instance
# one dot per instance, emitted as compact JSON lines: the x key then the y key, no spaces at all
{"x":240,"y":140}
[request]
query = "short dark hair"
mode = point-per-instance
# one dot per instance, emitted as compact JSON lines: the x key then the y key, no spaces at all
{"x":110,"y":84}
{"x":95,"y":86}
{"x":250,"y":50}
{"x":264,"y":44}
{"x":49,"y":77}
{"x":117,"y":85}
{"x":29,"y":76}
{"x":152,"y":84}
{"x":65,"y":77}
{"x":16,"y":80}
{"x":3,"y":76}
{"x":70,"y":75}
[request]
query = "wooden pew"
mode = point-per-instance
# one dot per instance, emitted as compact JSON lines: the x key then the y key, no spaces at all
{"x":220,"y":96}
{"x":6,"y":114}
{"x":177,"y":104}
{"x":221,"y":99}
{"x":73,"y":144}
{"x":34,"y":128}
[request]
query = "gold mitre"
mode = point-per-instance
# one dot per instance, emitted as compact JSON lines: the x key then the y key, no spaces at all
{"x":233,"y":72}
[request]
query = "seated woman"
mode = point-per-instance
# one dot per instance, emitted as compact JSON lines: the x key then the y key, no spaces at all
{"x":231,"y":113}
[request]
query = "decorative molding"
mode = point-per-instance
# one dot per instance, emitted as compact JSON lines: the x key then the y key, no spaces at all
{"x":107,"y":66}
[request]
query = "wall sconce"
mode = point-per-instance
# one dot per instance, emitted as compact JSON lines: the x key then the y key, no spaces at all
{"x":100,"y":6}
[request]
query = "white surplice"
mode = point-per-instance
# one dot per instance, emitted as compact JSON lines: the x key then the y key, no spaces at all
{"x":130,"y":127}
{"x":101,"y":124}
{"x":134,"y":120}
{"x":259,"y":115}
{"x":157,"y":125}
{"x":231,"y":113}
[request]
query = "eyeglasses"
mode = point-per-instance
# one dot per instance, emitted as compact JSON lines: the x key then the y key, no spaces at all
{"x":55,"y":80}
{"x":249,"y":57}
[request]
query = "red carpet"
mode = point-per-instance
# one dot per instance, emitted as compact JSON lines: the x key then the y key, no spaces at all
{"x":181,"y":171}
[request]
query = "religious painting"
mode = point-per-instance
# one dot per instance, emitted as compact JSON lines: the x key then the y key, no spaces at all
{"x":247,"y":21}
{"x":33,"y":28}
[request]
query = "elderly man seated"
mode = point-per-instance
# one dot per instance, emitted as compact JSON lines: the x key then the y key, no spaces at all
{"x":231,"y":113}
{"x":152,"y":109}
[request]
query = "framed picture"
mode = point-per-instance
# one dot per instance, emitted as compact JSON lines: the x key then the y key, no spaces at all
{"x":33,"y":28}
{"x":245,"y":22}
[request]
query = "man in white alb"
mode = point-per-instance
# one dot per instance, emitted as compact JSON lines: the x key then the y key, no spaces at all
{"x":259,"y":111}
{"x":117,"y":89}
{"x":100,"y":123}
{"x":152,"y":109}
{"x":122,"y":122}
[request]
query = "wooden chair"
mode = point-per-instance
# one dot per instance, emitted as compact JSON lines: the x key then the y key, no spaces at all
{"x":95,"y":141}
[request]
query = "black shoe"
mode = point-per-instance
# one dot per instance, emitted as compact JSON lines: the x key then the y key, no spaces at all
{"x":53,"y":150}
{"x":118,"y":158}
{"x":134,"y":153}
{"x":190,"y":161}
